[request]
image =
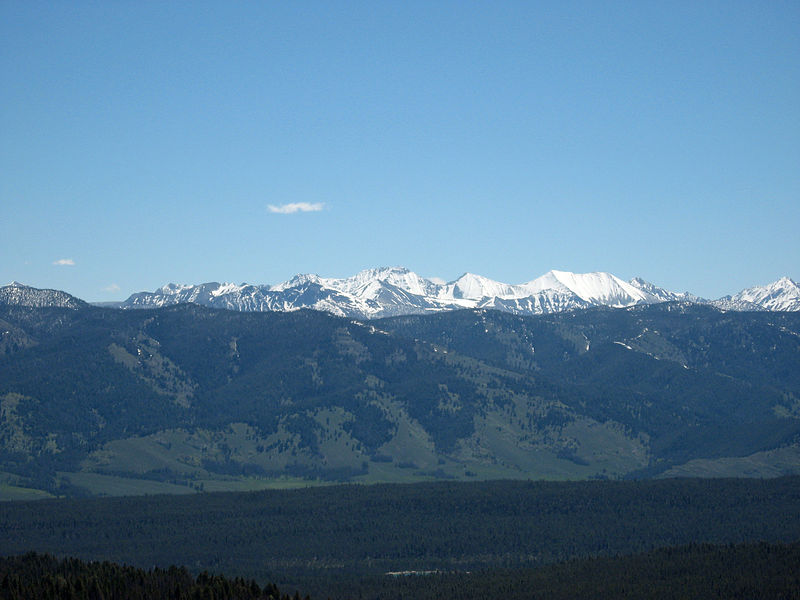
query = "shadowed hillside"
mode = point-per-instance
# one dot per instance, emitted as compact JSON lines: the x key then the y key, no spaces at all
{"x":187,"y":398}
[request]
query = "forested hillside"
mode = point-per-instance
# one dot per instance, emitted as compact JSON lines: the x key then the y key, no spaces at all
{"x":188,"y":398}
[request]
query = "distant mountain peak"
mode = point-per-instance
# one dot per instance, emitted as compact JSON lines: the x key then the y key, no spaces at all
{"x":19,"y":294}
{"x":597,"y":289}
{"x":780,"y":295}
{"x":173,"y":288}
{"x":476,"y":287}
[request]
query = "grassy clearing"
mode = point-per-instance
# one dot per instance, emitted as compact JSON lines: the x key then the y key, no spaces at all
{"x":772,"y":463}
{"x":251,"y":484}
{"x":10,"y":492}
{"x":112,"y":485}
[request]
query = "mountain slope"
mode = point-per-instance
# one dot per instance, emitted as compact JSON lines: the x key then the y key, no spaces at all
{"x":659,"y":294}
{"x":185,"y":397}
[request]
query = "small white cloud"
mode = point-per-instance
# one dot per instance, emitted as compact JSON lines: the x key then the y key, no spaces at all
{"x":293,"y":207}
{"x":64,"y":262}
{"x":111,"y":288}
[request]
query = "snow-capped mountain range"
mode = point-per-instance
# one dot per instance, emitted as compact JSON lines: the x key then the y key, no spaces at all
{"x":392,"y":291}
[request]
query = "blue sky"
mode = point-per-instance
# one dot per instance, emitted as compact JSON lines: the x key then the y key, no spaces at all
{"x":144,"y":142}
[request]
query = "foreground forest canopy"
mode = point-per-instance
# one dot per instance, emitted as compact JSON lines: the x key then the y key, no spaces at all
{"x":186,"y":398}
{"x":46,"y":578}
{"x":746,"y":571}
{"x":318,"y":539}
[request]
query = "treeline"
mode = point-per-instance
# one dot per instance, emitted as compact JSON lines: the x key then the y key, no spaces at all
{"x":45,"y":577}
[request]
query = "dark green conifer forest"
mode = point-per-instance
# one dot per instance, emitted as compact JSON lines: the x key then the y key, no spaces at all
{"x":45,"y":577}
{"x":481,"y":539}
{"x":743,"y":571}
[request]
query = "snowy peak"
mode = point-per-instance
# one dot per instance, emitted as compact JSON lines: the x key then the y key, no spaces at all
{"x":297,"y":281}
{"x":475,"y":287}
{"x":597,"y":289}
{"x":783,"y":294}
{"x":173,"y":288}
{"x":398,"y":277}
